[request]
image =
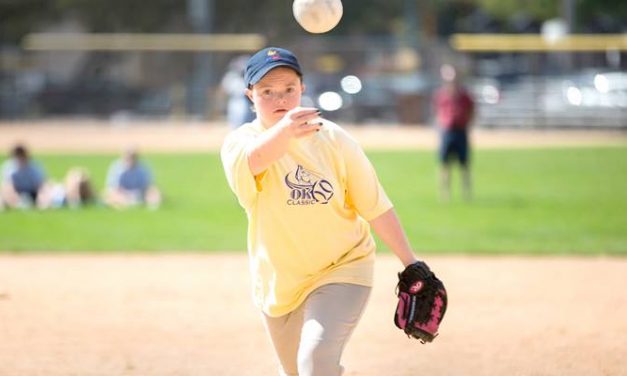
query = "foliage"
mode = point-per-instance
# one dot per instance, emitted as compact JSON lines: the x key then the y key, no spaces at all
{"x":539,"y":9}
{"x":602,"y":16}
{"x":18,"y":18}
{"x":590,"y":15}
{"x":274,"y":17}
{"x":124,"y":16}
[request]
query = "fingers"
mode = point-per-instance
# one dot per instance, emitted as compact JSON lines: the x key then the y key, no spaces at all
{"x":299,"y":112}
{"x":301,"y":115}
{"x":309,"y":127}
{"x":304,"y":120}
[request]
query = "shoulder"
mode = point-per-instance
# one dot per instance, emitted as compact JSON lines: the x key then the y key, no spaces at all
{"x":467,"y":98}
{"x":247,"y":130}
{"x":466,"y":93}
{"x":334,"y":132}
{"x":143,"y":166}
{"x":8,"y":164}
{"x":116,"y":167}
{"x":8,"y":168}
{"x":36,"y":166}
{"x":338,"y":137}
{"x":241,"y":136}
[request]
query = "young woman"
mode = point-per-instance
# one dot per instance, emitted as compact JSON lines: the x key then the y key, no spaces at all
{"x":311,"y":197}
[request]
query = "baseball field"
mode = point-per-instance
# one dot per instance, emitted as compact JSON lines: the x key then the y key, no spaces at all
{"x":534,"y":265}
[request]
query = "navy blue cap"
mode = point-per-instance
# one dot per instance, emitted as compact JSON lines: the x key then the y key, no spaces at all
{"x":267,"y":59}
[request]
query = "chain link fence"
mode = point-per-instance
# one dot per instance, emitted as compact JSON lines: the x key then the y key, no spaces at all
{"x":359,"y":79}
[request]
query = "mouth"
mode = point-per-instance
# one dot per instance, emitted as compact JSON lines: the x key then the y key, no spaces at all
{"x":280,"y":111}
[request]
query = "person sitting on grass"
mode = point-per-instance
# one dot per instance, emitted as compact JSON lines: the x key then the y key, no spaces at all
{"x":75,"y":191}
{"x":22,"y":180}
{"x":130,"y":183}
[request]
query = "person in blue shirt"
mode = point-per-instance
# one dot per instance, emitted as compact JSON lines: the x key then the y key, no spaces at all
{"x":23,"y":180}
{"x":130,"y":183}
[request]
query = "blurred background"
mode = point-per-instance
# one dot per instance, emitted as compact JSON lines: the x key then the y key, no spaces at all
{"x":533,"y":64}
{"x":111,"y":69}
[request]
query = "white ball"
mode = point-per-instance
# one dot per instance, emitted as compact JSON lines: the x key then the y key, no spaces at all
{"x":317,"y":16}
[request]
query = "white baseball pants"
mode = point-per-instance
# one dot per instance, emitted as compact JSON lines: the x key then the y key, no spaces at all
{"x":310,"y":340}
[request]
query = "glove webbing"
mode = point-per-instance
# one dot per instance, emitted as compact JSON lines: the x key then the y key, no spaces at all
{"x":422,"y":302}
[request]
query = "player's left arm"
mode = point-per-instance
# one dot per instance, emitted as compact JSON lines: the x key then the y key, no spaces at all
{"x":366,"y":195}
{"x":389,"y":229}
{"x":471,"y":106}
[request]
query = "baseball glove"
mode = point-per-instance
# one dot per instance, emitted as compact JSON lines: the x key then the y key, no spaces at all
{"x":421,"y":302}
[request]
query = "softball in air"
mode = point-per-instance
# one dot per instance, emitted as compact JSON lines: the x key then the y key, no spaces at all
{"x":317,"y":16}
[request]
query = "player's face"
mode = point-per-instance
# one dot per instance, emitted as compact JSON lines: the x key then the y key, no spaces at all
{"x":279,"y":91}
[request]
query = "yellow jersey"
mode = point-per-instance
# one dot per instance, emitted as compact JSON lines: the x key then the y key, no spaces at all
{"x":307,"y":214}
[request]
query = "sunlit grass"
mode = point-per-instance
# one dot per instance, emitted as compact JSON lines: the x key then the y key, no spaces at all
{"x":553,"y":201}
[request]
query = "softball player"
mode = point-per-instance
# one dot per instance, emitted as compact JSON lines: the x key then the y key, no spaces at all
{"x":454,"y":110}
{"x":311,"y":197}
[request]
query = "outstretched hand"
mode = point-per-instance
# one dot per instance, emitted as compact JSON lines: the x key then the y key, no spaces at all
{"x":301,"y":121}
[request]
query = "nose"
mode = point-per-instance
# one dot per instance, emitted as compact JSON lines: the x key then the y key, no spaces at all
{"x":281,"y":96}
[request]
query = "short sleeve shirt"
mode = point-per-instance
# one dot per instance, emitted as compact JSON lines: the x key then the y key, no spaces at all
{"x":25,"y":179}
{"x":307,"y":214}
{"x":136,"y":178}
{"x":454,"y":109}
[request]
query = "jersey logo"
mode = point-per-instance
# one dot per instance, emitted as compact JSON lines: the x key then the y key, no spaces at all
{"x":307,"y":188}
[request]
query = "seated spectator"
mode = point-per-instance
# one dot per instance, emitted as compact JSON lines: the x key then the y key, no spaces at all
{"x":75,"y":191}
{"x":130,"y":183}
{"x":22,"y":180}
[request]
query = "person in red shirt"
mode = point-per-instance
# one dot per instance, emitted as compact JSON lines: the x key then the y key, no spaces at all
{"x":454,"y":109}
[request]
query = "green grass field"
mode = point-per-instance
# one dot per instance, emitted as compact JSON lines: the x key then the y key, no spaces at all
{"x":548,"y":201}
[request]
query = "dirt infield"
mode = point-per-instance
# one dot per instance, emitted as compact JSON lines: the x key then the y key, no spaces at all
{"x":98,"y":136}
{"x":192,"y":315}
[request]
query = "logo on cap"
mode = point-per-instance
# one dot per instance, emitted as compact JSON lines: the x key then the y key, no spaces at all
{"x":273,"y":55}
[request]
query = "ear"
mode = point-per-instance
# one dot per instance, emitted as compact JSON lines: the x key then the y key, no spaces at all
{"x":249,"y":94}
{"x":303,"y":87}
